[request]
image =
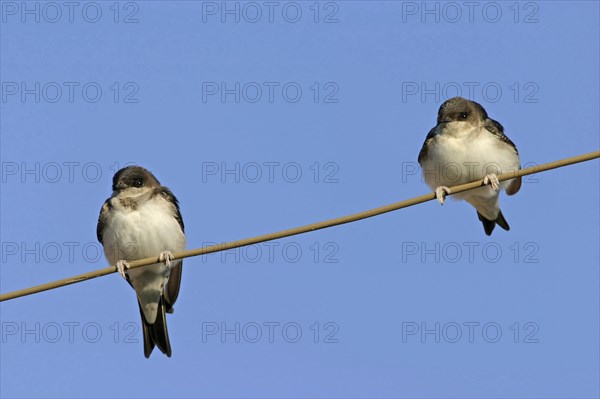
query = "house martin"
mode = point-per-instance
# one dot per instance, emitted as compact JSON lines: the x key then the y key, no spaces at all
{"x":142,"y":219}
{"x":466,"y":145}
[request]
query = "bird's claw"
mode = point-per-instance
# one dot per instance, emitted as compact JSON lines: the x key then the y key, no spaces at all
{"x":441,"y":192}
{"x":492,"y":180}
{"x":122,"y":267}
{"x":167,"y":257}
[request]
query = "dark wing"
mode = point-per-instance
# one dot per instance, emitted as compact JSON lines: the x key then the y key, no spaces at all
{"x":102,"y":219}
{"x":514,"y":186}
{"x":425,"y":148}
{"x":168,"y":195}
{"x":497,"y":129}
{"x":172,"y":288}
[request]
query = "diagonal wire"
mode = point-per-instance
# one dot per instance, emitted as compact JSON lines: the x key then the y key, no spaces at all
{"x":297,"y":230}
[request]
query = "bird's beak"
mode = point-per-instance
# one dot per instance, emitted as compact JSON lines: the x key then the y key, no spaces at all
{"x":446,"y":120}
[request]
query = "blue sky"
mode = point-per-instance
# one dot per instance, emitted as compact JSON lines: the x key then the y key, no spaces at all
{"x":264,"y":116}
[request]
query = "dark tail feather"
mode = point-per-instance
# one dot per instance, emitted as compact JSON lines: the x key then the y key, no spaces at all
{"x":157,"y":333}
{"x":172,"y":288}
{"x":500,"y":221}
{"x":148,"y":342}
{"x":488,"y":225}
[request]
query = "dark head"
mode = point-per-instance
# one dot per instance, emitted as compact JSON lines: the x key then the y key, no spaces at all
{"x":458,"y":109}
{"x":133,"y":176}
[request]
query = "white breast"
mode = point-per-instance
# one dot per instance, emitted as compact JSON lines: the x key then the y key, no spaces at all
{"x":142,"y":232}
{"x":457,"y":158}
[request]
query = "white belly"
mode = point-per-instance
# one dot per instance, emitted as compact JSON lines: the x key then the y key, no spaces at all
{"x":139,"y":233}
{"x":460,"y":158}
{"x":143,"y":232}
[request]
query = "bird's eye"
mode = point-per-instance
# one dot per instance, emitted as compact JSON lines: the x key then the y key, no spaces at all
{"x":138,"y":182}
{"x":464,"y":115}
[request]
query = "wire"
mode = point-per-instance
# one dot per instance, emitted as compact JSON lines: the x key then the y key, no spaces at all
{"x":298,"y":230}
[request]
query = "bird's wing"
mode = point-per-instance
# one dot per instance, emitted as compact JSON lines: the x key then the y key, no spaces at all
{"x":497,"y":129}
{"x":425,"y":148}
{"x":102,"y":220}
{"x":174,"y":283}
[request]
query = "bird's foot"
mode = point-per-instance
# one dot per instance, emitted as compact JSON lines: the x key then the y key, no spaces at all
{"x":122,"y":267}
{"x":167,"y":257}
{"x":492,"y":180}
{"x":440,"y":193}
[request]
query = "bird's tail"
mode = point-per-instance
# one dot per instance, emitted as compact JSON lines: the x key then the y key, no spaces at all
{"x":157,"y":333}
{"x":488,"y":225}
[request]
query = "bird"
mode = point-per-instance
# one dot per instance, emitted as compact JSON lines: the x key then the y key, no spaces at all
{"x":466,"y":145}
{"x":142,"y":219}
